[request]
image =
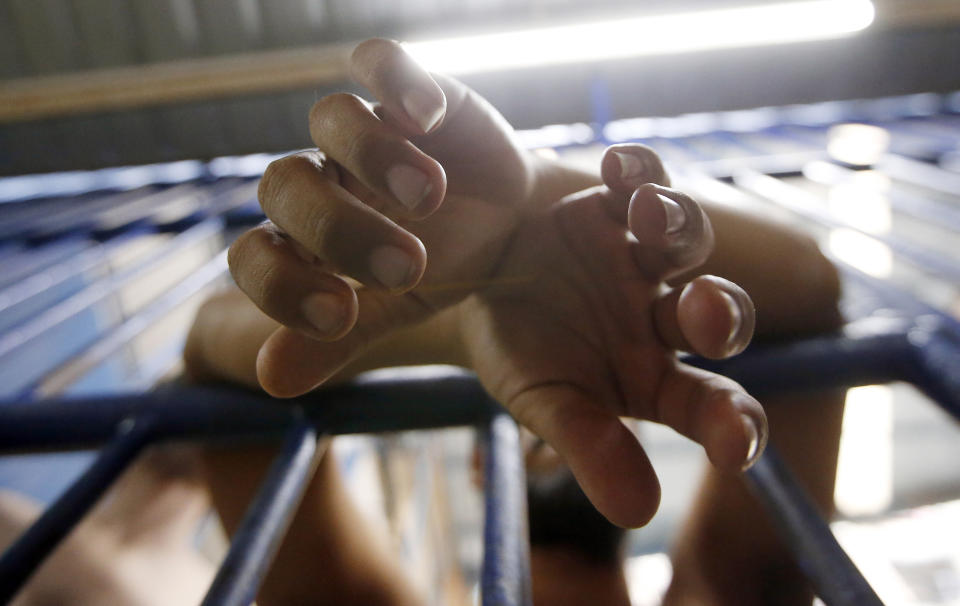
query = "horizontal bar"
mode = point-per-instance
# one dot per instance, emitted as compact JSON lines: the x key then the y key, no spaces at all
{"x":91,"y":259}
{"x":102,"y":289}
{"x":794,"y":199}
{"x":59,"y":378}
{"x":833,"y":576}
{"x":505,"y":572}
{"x":871,"y":351}
{"x":937,"y":365}
{"x":28,"y":552}
{"x":912,"y":204}
{"x":384,"y":401}
{"x":266,"y":521}
{"x":921,"y":174}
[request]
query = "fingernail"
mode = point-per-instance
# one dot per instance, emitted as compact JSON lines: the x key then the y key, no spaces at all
{"x":392,"y":266}
{"x":631,"y":166}
{"x":676,"y":218}
{"x":736,"y":318}
{"x":408,"y":185}
{"x":753,"y":435}
{"x":425,"y":110}
{"x":324,"y":311}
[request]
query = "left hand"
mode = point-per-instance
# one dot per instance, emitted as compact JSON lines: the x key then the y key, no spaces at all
{"x":578,"y":329}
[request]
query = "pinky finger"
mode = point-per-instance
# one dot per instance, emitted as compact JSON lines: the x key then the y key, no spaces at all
{"x":715,"y":412}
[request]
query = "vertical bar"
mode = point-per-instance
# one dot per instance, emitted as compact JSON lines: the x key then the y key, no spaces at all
{"x":264,"y":525}
{"x":505,"y":576}
{"x":28,"y":552}
{"x":831,"y":573}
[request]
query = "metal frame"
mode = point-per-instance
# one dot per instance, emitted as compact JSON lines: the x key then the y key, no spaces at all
{"x":870,"y":352}
{"x":923,"y":350}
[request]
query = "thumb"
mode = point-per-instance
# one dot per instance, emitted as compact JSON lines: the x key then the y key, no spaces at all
{"x":605,"y":457}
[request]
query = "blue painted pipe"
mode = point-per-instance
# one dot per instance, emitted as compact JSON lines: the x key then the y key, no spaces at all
{"x":392,"y":402}
{"x":505,"y":574}
{"x":28,"y":552}
{"x":261,"y":532}
{"x":833,"y":576}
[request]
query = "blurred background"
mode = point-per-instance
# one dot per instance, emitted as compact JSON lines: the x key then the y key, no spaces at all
{"x":90,"y":83}
{"x":132,"y":133}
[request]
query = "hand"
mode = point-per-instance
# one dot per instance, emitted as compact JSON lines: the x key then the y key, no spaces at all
{"x":578,"y":330}
{"x":431,"y":168}
{"x":569,"y":324}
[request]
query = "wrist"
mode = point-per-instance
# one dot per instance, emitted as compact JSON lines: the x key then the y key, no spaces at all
{"x":555,"y":179}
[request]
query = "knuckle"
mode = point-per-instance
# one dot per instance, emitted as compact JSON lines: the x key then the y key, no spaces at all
{"x":362,"y":146}
{"x":238,"y":253}
{"x":282,"y":176}
{"x":271,"y":289}
{"x":329,"y":111}
{"x":324,"y":222}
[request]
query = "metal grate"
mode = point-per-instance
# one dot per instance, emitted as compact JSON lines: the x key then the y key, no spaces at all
{"x":66,"y":315}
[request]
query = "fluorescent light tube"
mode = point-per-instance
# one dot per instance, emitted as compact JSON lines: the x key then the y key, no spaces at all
{"x":634,"y":36}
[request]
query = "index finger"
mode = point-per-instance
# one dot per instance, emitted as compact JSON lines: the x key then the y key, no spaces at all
{"x":409,"y":96}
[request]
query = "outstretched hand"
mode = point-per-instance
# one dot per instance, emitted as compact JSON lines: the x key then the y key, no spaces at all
{"x":562,"y":305}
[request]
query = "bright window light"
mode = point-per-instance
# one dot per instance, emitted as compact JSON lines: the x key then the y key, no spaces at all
{"x":865,"y":464}
{"x":633,"y":36}
{"x":867,"y":254}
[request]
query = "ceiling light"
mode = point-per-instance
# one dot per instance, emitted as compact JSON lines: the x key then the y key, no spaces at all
{"x":633,"y":36}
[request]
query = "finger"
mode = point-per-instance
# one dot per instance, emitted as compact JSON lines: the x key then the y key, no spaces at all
{"x":377,"y":155}
{"x":624,"y":168}
{"x":709,"y":316}
{"x":290,"y":285}
{"x":602,"y":453}
{"x":715,"y":412}
{"x":290,"y":364}
{"x":627,"y":166}
{"x":409,"y":96}
{"x":301,"y":196}
{"x":674,"y":234}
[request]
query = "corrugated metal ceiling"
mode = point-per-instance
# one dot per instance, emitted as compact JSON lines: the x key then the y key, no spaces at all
{"x":49,"y":37}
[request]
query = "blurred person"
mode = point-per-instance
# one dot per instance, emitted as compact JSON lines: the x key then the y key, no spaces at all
{"x":136,"y":547}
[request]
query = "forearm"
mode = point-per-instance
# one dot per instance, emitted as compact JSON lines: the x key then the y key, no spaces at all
{"x":555,"y":179}
{"x":229,"y":330}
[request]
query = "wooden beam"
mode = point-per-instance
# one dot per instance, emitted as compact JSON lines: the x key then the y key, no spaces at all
{"x":172,"y":82}
{"x":156,"y":84}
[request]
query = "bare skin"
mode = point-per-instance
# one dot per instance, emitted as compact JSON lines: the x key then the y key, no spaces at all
{"x":137,"y":539}
{"x":552,"y":289}
{"x":582,"y":274}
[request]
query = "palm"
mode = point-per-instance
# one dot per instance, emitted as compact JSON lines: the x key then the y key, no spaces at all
{"x":571,"y":311}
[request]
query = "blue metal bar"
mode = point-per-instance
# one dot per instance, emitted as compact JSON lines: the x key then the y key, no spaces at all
{"x":104,"y":288}
{"x":71,"y":371}
{"x":921,"y":174}
{"x":875,"y":350}
{"x":937,"y":363}
{"x":384,"y":402}
{"x":505,"y":575}
{"x":788,"y":196}
{"x":909,"y":203}
{"x":28,"y":552}
{"x":28,"y":261}
{"x":77,"y":215}
{"x":832,"y":574}
{"x":264,"y":525}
